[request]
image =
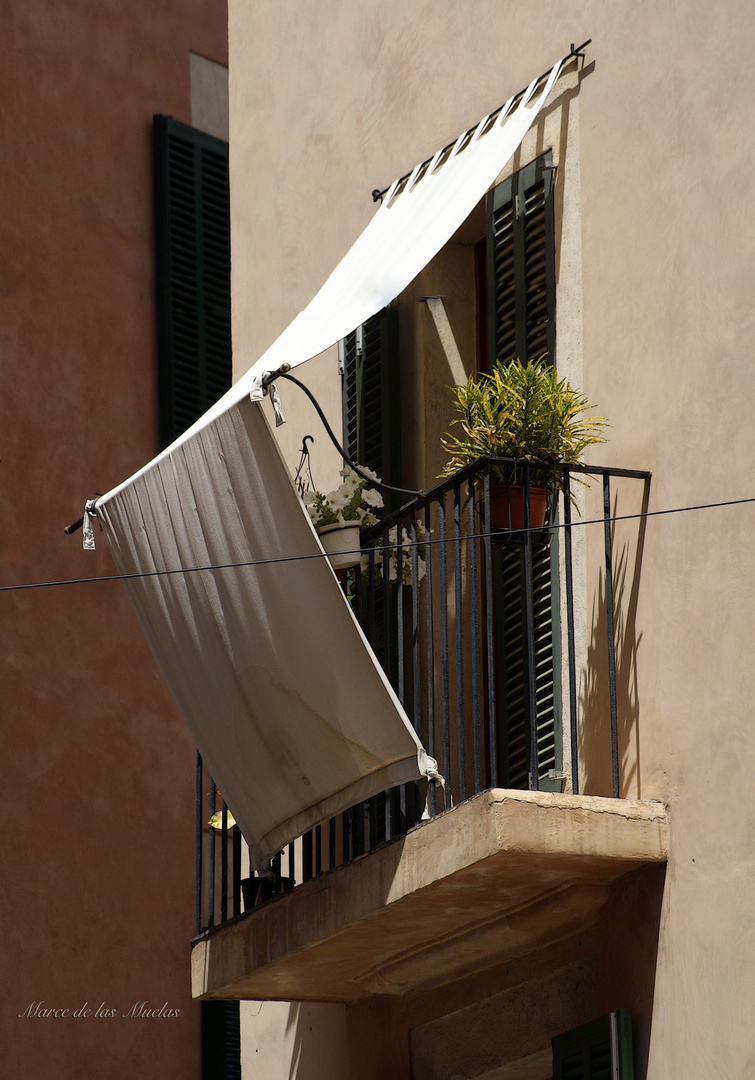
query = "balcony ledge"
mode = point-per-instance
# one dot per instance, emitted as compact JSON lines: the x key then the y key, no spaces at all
{"x":498,"y":876}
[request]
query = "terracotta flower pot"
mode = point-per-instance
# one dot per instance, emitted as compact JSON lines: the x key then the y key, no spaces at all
{"x":507,"y":507}
{"x":342,"y":545}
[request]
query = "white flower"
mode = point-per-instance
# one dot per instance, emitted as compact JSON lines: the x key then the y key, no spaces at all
{"x":372,"y":497}
{"x":369,"y":472}
{"x":349,"y":486}
{"x":347,"y":505}
{"x":350,"y":478}
{"x":338,"y":499}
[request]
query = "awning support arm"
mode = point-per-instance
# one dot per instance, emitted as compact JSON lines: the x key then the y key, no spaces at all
{"x":283,"y":372}
{"x":91,"y":510}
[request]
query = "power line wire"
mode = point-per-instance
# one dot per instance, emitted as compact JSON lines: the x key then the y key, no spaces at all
{"x":387,"y":547}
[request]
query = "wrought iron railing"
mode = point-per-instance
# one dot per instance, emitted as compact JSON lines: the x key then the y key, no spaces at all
{"x":471,"y":612}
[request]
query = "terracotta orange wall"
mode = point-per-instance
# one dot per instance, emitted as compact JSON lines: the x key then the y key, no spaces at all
{"x":96,"y":782}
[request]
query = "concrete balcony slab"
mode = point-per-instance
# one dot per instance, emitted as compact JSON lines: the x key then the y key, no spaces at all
{"x":498,"y":876}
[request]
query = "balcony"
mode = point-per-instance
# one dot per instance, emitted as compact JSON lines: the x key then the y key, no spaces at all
{"x":524,"y":705}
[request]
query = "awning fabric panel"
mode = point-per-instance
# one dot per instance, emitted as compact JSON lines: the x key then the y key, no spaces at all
{"x":409,"y":228}
{"x":277,"y":685}
{"x":282,"y":694}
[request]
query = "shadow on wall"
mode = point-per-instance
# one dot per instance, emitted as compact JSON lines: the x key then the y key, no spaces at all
{"x":595,"y":730}
{"x":281,"y":1040}
{"x":317,"y":1038}
{"x":628,"y":974}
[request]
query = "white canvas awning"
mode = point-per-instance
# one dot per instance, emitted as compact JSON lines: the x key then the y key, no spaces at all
{"x":281,"y":692}
{"x":270,"y":670}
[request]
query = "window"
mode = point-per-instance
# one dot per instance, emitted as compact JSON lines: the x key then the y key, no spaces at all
{"x":515,"y":265}
{"x":370,"y":396}
{"x":512,"y":666}
{"x":192,"y":228}
{"x":371,"y":403}
{"x":520,"y":263}
{"x":520,"y":306}
{"x":221,"y":1040}
{"x":193,"y":286}
{"x":600,"y":1050}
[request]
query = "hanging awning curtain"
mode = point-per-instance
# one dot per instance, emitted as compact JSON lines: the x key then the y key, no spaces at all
{"x":264,"y":658}
{"x":281,"y":692}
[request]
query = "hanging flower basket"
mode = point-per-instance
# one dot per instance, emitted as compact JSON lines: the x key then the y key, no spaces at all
{"x":341,"y":543}
{"x":340,"y":515}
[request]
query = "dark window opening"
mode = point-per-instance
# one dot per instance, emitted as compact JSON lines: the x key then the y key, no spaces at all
{"x":193,"y":266}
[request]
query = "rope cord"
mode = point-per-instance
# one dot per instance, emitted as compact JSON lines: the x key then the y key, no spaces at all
{"x":388,"y":547}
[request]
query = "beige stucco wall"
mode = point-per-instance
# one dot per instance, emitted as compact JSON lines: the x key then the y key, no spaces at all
{"x":282,"y":1040}
{"x":330,"y":100}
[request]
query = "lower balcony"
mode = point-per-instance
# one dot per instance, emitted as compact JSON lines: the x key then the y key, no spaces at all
{"x":510,"y":646}
{"x":503,"y":874}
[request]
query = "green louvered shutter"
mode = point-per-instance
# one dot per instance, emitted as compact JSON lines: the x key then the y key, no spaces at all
{"x":600,"y":1050}
{"x":521,"y":265}
{"x":193,"y":251}
{"x":221,"y":1040}
{"x":371,"y":405}
{"x":370,"y":396}
{"x":521,"y":287}
{"x":512,"y":681}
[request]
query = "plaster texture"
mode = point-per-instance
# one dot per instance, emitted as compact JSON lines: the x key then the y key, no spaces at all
{"x":278,"y":1037}
{"x":656,"y":270}
{"x":96,"y":803}
{"x":498,"y":1022}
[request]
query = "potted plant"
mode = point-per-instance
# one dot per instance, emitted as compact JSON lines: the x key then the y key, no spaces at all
{"x":339,"y":516}
{"x":526,"y":413}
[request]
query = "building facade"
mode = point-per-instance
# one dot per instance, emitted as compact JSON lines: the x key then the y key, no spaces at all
{"x":595,"y":900}
{"x":653,"y":278}
{"x":97,"y":803}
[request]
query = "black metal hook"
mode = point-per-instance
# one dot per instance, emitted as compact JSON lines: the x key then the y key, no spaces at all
{"x":283,"y":373}
{"x":305,"y":463}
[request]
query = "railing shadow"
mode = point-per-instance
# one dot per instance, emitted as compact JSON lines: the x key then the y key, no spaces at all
{"x":596,"y":773}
